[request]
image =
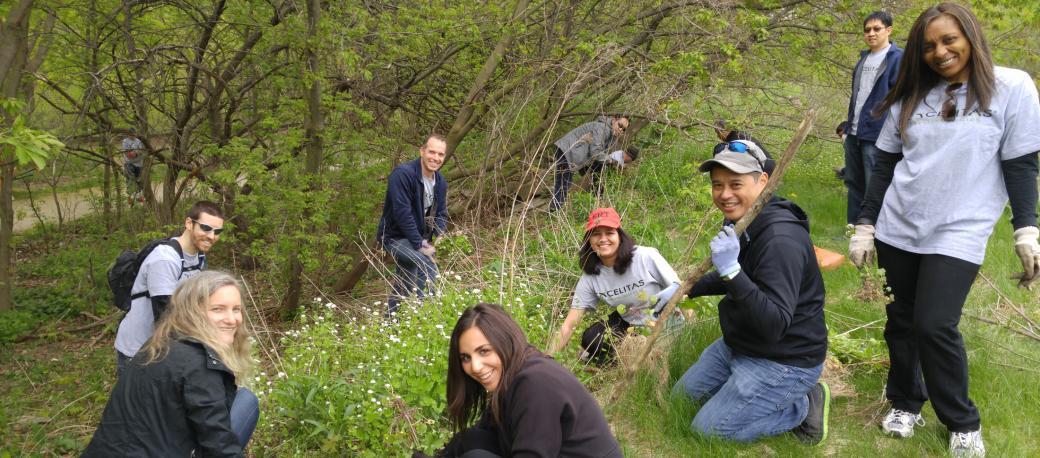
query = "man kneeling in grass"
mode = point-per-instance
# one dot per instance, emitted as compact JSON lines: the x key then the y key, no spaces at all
{"x":762,"y":377}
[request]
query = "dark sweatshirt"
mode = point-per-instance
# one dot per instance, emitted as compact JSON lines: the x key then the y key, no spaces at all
{"x":773,"y":308}
{"x":547,"y":412}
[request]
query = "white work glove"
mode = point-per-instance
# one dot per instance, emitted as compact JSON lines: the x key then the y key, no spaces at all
{"x":427,"y":249}
{"x":861,"y":247}
{"x":618,"y":157}
{"x":1028,"y":250}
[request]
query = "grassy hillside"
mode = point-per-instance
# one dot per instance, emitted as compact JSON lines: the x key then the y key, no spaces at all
{"x":339,"y":382}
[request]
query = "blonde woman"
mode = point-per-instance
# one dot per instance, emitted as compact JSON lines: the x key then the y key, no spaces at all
{"x":178,"y":394}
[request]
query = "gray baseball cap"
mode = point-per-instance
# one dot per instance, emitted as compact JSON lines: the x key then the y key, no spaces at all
{"x":739,"y":156}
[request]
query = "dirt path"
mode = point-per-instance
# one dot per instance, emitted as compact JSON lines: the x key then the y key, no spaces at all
{"x":73,"y":205}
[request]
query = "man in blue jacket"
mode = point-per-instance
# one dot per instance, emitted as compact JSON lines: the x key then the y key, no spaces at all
{"x":762,"y":377}
{"x":875,"y":73}
{"x":415,"y":210}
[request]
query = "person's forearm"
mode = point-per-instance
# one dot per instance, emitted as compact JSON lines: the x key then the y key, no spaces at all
{"x":1020,"y":180}
{"x":563,"y":336}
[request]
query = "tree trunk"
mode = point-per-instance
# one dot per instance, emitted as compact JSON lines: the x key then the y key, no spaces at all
{"x":314,"y":125}
{"x":14,"y":53}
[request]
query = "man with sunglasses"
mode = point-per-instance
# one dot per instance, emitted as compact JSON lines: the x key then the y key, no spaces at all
{"x":584,"y":150}
{"x":762,"y":377}
{"x":163,"y":269}
{"x":874,"y":75}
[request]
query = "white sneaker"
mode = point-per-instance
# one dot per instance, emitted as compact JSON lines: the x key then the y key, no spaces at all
{"x":967,"y":444}
{"x":901,"y":423}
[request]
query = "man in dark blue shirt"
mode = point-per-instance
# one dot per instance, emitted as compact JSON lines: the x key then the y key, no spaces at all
{"x":413,"y":213}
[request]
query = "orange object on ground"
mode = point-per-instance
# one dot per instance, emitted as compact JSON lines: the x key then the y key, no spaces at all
{"x":827,"y":259}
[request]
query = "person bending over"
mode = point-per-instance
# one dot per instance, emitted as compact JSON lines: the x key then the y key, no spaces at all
{"x":634,"y":281}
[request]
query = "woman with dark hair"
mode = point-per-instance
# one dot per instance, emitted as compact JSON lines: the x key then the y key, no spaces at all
{"x":635,"y":281}
{"x":177,"y":396}
{"x":960,"y":140}
{"x":525,"y":403}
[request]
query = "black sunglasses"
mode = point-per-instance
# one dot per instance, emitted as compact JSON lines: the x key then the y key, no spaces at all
{"x":876,"y":28}
{"x":949,"y":108}
{"x":208,"y":228}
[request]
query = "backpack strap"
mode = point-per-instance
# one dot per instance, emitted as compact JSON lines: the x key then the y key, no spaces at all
{"x":172,"y":243}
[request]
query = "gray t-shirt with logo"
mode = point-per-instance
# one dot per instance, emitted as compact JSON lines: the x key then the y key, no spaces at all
{"x":647,"y":276}
{"x":868,"y":76}
{"x":948,"y":191}
{"x":428,"y":185}
{"x":160,"y":273}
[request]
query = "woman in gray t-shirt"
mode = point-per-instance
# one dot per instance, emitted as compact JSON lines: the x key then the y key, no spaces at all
{"x":634,"y":281}
{"x":959,"y":141}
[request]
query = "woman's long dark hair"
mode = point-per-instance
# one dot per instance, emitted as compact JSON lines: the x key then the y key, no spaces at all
{"x":589,"y":260}
{"x":466,"y":397}
{"x":916,"y":78}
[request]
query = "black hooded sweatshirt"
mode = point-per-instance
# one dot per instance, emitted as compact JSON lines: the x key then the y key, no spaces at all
{"x":773,"y":308}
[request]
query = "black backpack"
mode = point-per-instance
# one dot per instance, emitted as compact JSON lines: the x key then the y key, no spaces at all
{"x":124,"y":271}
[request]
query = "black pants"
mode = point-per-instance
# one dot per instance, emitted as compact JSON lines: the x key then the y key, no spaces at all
{"x":922,"y":334}
{"x":473,"y":442}
{"x":592,"y":340}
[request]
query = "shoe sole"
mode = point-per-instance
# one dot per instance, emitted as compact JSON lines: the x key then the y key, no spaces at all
{"x":826,"y":411}
{"x":894,"y":433}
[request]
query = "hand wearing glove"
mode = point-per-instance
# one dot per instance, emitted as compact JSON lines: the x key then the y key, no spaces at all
{"x":663,"y":297}
{"x":725,"y":248}
{"x":1028,"y":250}
{"x":618,"y":157}
{"x":427,"y":249}
{"x":861,"y":247}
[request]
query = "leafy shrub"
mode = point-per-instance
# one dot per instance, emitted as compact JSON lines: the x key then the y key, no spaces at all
{"x":350,"y":383}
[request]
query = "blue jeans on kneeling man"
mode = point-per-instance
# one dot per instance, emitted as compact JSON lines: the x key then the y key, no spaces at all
{"x":745,"y":398}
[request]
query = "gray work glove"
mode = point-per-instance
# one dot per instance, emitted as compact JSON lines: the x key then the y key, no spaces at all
{"x":861,"y":247}
{"x":1028,"y":250}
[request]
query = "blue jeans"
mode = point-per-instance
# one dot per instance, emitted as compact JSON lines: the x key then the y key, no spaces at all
{"x":859,"y":163}
{"x":414,"y":271}
{"x":562,"y":180}
{"x":746,"y":398}
{"x":245,"y":411}
{"x":121,"y":362}
{"x":133,"y":177}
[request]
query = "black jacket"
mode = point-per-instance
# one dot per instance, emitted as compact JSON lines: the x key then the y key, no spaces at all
{"x":170,"y":407}
{"x":403,"y":216}
{"x":547,"y":412}
{"x":773,"y":308}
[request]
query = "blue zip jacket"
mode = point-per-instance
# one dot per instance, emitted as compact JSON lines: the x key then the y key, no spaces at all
{"x":403,"y":208}
{"x":869,"y":126}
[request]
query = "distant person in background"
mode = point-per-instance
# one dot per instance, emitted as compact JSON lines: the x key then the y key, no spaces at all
{"x":133,"y":164}
{"x":524,"y":403}
{"x":414,"y":212}
{"x":960,"y":140}
{"x":165,"y":267}
{"x":584,"y":150}
{"x":873,"y":76}
{"x":179,"y":396}
{"x":636,"y":282}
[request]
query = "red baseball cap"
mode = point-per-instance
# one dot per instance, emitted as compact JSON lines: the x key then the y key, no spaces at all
{"x":603,"y":217}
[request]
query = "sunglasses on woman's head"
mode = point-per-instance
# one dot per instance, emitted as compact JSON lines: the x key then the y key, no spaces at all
{"x":208,"y":228}
{"x":949,"y":108}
